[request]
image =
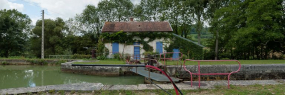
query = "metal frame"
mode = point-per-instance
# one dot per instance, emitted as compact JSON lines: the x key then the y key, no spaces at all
{"x":164,"y":54}
{"x":199,"y":74}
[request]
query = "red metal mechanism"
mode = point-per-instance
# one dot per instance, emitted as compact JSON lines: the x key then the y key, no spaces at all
{"x":199,"y":74}
{"x":164,"y":56}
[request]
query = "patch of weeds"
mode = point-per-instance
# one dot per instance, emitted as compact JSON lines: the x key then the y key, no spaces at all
{"x":257,"y":85}
{"x":29,"y":93}
{"x":72,"y":92}
{"x":40,"y":93}
{"x":218,"y":87}
{"x":59,"y":62}
{"x":51,"y":91}
{"x":4,"y":63}
{"x":61,"y":92}
{"x":38,"y":62}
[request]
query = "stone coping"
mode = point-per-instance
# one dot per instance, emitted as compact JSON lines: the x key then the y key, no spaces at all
{"x":99,"y":86}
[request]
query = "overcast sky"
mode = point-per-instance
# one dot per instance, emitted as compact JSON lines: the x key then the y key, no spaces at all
{"x":53,"y":8}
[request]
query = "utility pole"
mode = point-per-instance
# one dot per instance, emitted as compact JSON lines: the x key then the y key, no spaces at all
{"x":43,"y":34}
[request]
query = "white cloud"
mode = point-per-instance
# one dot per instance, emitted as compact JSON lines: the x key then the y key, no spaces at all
{"x":62,"y":8}
{"x":5,"y":4}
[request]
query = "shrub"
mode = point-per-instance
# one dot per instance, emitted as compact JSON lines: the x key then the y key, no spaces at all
{"x":225,"y":58}
{"x":59,"y":62}
{"x":117,"y":56}
{"x":4,"y":63}
{"x":77,"y":56}
{"x":184,"y":57}
{"x":38,"y":62}
{"x":101,"y":58}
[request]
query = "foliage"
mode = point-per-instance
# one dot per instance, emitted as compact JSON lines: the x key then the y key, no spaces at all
{"x":52,"y":38}
{"x":78,"y":56}
{"x":37,"y":61}
{"x":4,"y":63}
{"x":255,"y":31}
{"x":117,"y":56}
{"x":14,"y":27}
{"x":150,"y":53}
{"x":192,"y":50}
{"x":102,"y":57}
{"x":130,"y":38}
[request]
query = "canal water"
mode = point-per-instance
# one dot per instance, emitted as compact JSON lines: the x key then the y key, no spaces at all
{"x":13,"y":76}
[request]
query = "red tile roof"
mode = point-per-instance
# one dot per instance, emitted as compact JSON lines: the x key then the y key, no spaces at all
{"x":137,"y":27}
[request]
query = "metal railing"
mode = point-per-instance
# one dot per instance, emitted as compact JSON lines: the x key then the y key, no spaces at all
{"x":199,"y":74}
{"x":170,"y":58}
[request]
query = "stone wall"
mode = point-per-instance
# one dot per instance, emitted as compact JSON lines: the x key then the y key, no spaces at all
{"x":96,"y":70}
{"x":247,"y":72}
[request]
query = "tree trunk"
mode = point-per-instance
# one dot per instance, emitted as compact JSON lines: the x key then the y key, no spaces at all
{"x":217,"y":43}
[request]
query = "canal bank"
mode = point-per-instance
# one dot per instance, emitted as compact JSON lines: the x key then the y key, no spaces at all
{"x":247,"y":71}
{"x":79,"y":87}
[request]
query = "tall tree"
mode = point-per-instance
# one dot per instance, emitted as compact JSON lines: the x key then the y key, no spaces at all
{"x":199,"y":15}
{"x":254,"y":31}
{"x":53,"y":37}
{"x":14,"y":27}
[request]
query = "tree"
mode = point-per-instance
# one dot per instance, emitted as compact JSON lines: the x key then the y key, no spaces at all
{"x":148,"y":10}
{"x":53,"y":37}
{"x":253,"y":32}
{"x":178,"y":13}
{"x":14,"y":27}
{"x":199,"y":7}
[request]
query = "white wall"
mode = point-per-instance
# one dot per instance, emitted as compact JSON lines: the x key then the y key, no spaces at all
{"x":129,"y":49}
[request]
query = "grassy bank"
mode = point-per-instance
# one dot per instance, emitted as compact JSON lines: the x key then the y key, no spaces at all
{"x":219,"y":90}
{"x":193,"y":63}
{"x":102,"y":62}
{"x":10,"y":61}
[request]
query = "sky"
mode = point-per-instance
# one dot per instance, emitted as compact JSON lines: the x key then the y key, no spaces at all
{"x":53,"y":8}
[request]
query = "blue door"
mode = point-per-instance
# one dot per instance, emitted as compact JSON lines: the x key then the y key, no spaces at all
{"x":159,"y":47}
{"x":115,"y":48}
{"x":136,"y":52}
{"x":175,"y":55}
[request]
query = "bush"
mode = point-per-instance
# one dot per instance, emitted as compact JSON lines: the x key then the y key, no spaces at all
{"x":150,"y":53}
{"x":184,"y":57}
{"x":4,"y":63}
{"x":101,"y":58}
{"x":77,"y":56}
{"x":225,"y":58}
{"x":38,"y":62}
{"x":59,"y":62}
{"x":117,"y":56}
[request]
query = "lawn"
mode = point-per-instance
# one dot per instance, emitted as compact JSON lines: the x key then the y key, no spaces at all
{"x":102,"y":62}
{"x":218,"y":90}
{"x":193,"y":63}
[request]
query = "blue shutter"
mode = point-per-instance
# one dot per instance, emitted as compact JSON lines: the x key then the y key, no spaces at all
{"x":115,"y":48}
{"x":159,"y":47}
{"x":137,"y":52}
{"x":175,"y":55}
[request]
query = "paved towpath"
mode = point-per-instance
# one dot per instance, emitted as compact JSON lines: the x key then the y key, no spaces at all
{"x":99,"y":86}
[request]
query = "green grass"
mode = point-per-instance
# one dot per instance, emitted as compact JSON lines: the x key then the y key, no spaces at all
{"x":220,"y":90}
{"x":193,"y":63}
{"x":102,"y":62}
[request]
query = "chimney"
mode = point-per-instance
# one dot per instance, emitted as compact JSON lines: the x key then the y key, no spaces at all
{"x":131,"y":19}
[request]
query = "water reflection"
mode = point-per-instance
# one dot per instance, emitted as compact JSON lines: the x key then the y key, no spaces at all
{"x":31,"y":76}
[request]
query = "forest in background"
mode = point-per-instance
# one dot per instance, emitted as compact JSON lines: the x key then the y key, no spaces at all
{"x":230,"y":29}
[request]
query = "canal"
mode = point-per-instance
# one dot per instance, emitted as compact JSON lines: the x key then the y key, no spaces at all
{"x":14,"y":76}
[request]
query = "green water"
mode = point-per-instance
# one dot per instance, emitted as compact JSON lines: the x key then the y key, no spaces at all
{"x":31,"y":76}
